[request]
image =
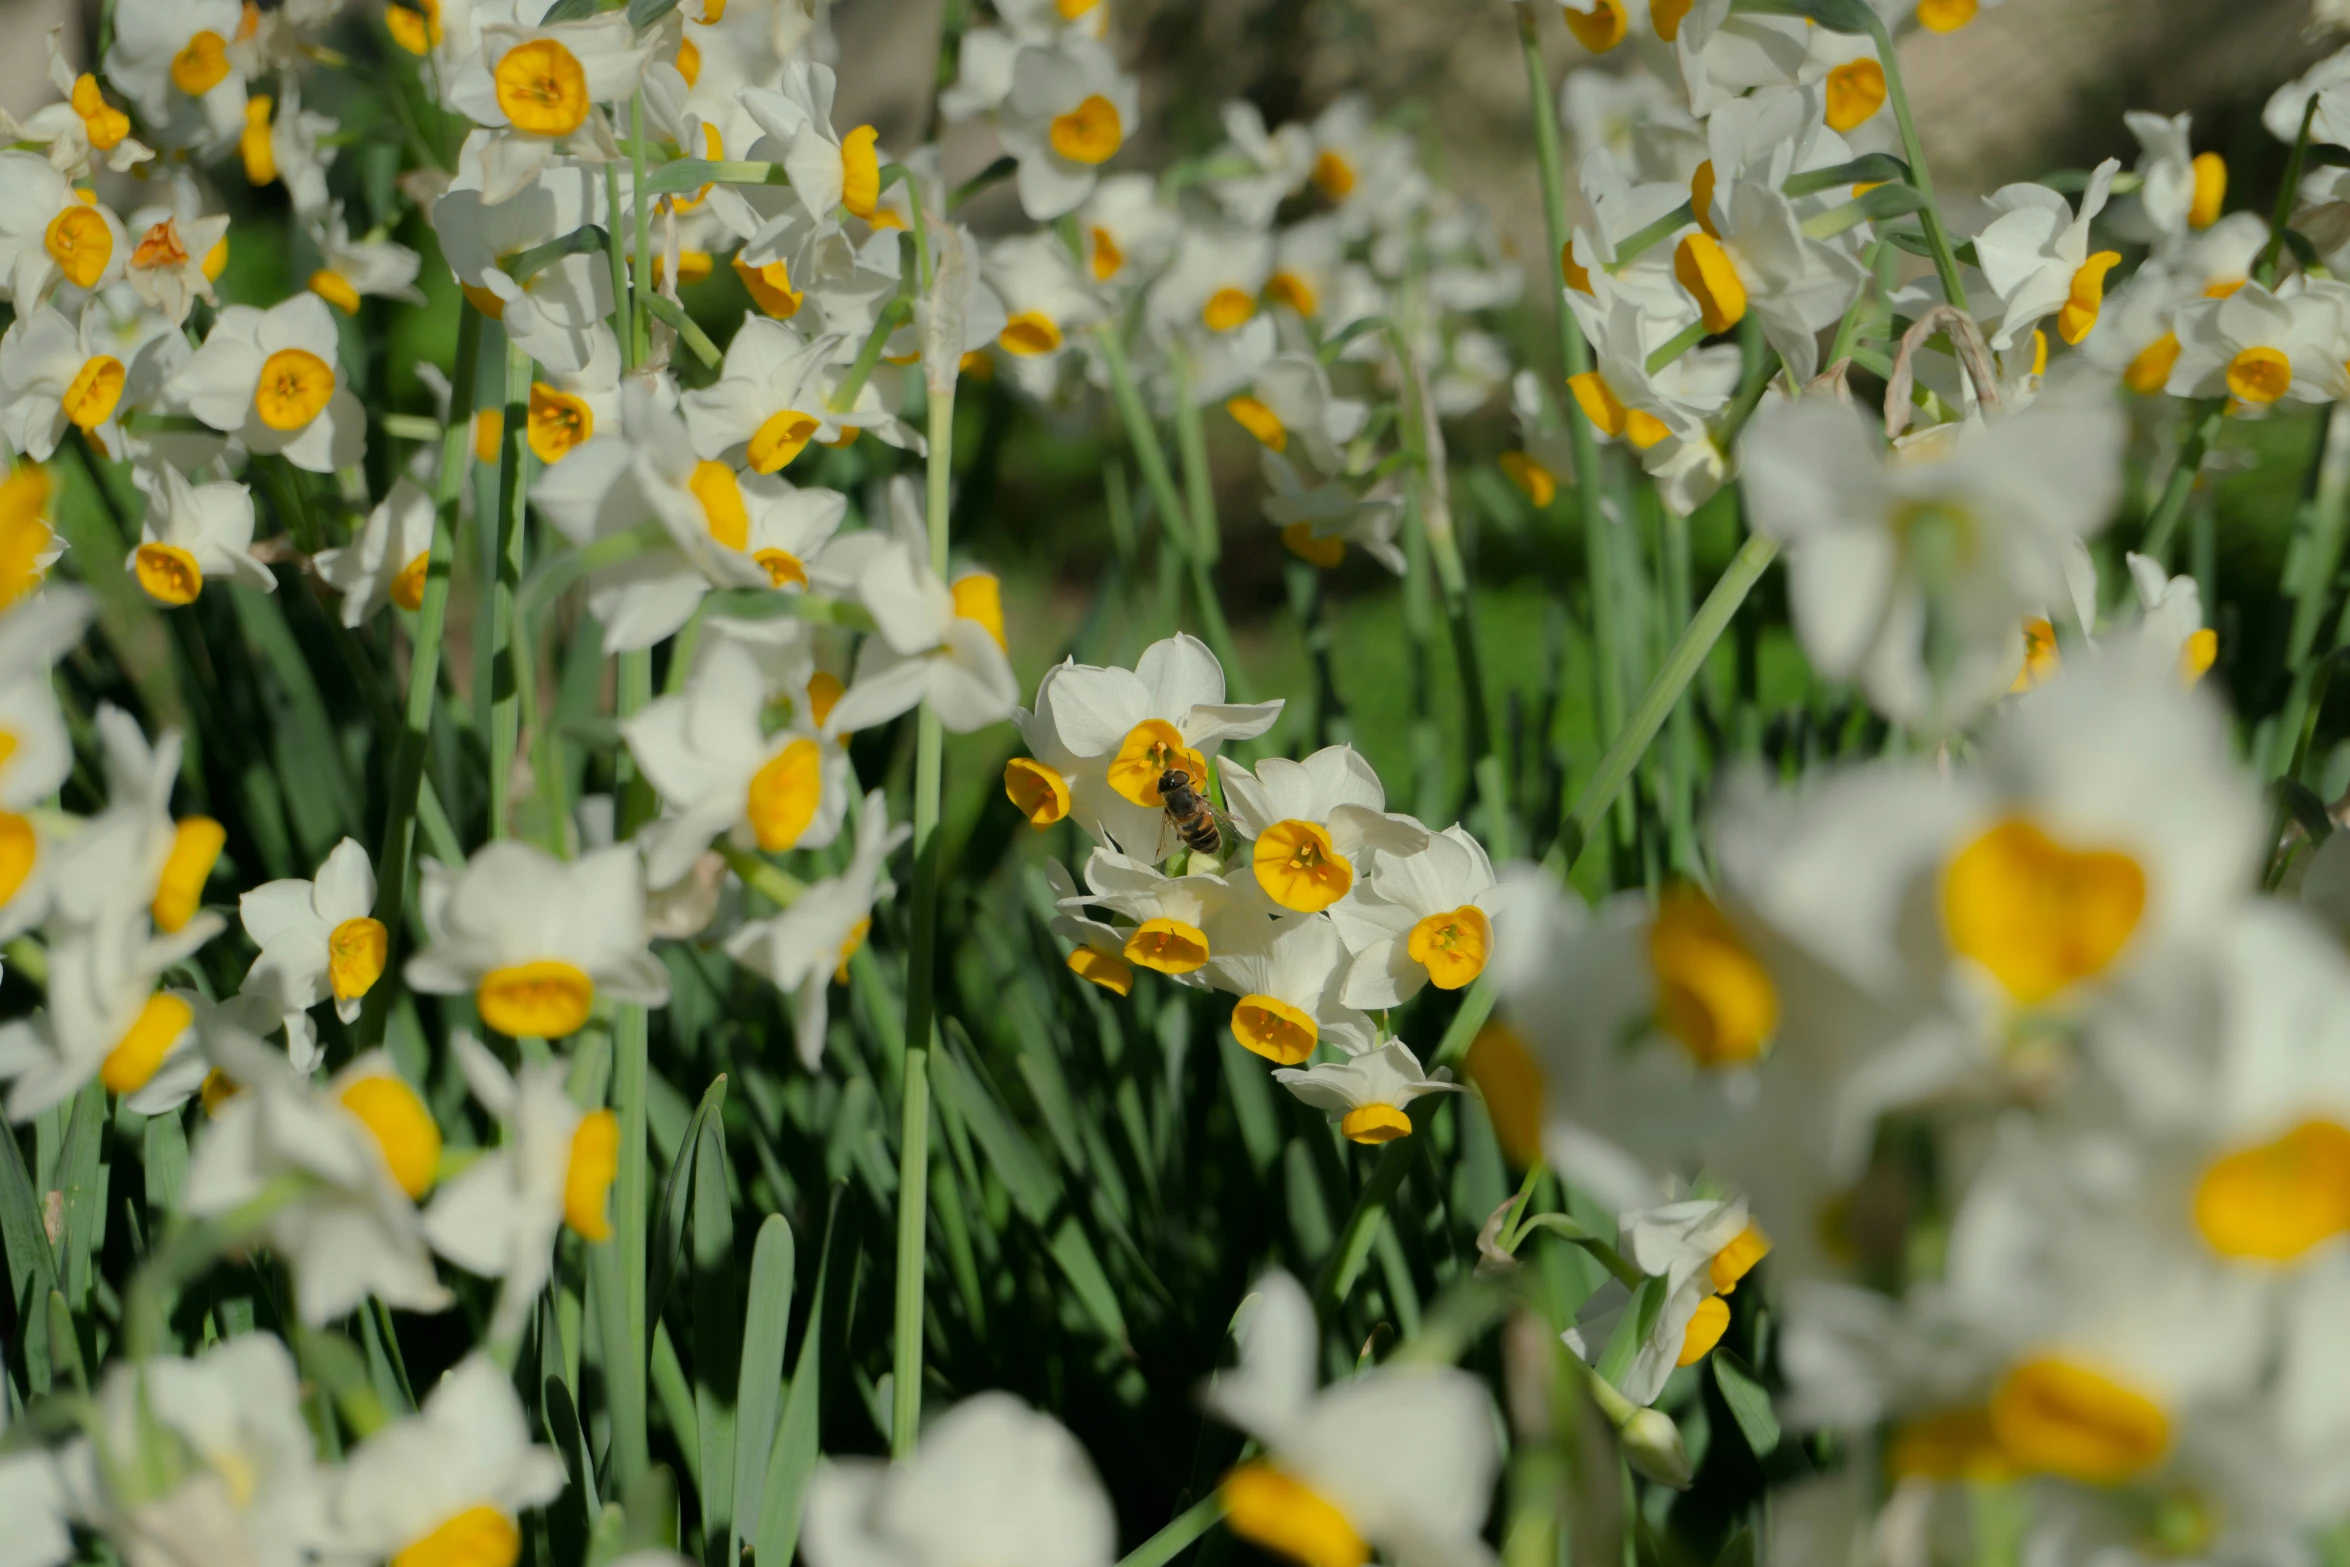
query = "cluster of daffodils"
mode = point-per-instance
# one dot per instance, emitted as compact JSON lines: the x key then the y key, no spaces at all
{"x":1302,"y":896}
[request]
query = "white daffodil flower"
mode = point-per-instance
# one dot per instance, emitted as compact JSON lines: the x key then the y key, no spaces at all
{"x":195,"y":531}
{"x":80,"y":126}
{"x":1320,"y":518}
{"x":1313,"y":276}
{"x":720,"y":770}
{"x":35,"y":1500}
{"x":1278,"y":163}
{"x":56,"y":375}
{"x":769,"y":400}
{"x":446,"y":1484}
{"x":269,"y":378}
{"x":991,"y":1481}
{"x":1615,"y":209}
{"x":1368,"y":1093}
{"x":356,"y":269}
{"x":2179,"y":189}
{"x":2170,"y":629}
{"x":935,"y":642}
{"x":1700,"y":1248}
{"x":388,"y":561}
{"x":830,"y":172}
{"x":1128,"y":231}
{"x":1290,"y":400}
{"x":363,"y":1149}
{"x":500,"y":1216}
{"x":552,"y":313}
{"x":2035,"y":256}
{"x":1288,"y":975}
{"x":105,"y":1017}
{"x":806,"y":947}
{"x":1913,"y":575}
{"x":1180,"y":922}
{"x":1400,"y":1459}
{"x":1068,"y":112}
{"x":286,"y":144}
{"x":536,"y":940}
{"x":1102,"y":738}
{"x":569,"y":406}
{"x":1312,"y":821}
{"x":2259,"y":347}
{"x":2136,"y":341}
{"x":537,"y":87}
{"x":172,"y":59}
{"x":1368,"y":172}
{"x":1098,"y":951}
{"x":1660,"y":415}
{"x":1045,"y":300}
{"x":1207,"y":300}
{"x":1419,"y":919}
{"x":34,"y":635}
{"x":49,"y":236}
{"x":2328,"y":81}
{"x":1757,"y":259}
{"x":319,"y":940}
{"x":240,"y":1480}
{"x":177,"y":253}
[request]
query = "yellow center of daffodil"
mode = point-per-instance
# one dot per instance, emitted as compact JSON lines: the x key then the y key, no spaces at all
{"x":1856,"y":90}
{"x":335,"y":289}
{"x":2040,"y":916}
{"x":1598,"y":29}
{"x":1956,"y":1444}
{"x":253,"y":144}
{"x":490,"y":305}
{"x":1713,"y":995}
{"x":1226,"y":309}
{"x":2150,"y":371}
{"x":1288,"y":1517}
{"x":216,"y":260}
{"x":689,"y":61}
{"x":542,"y":88}
{"x":20,"y":846}
{"x":979,"y":598}
{"x":1029,"y":334}
{"x":407,"y":589}
{"x":1294,"y":290}
{"x":2275,"y":1201}
{"x":105,"y":125}
{"x":587,"y":1179}
{"x":201,"y":64}
{"x":1090,"y":133}
{"x":2259,"y":376}
{"x":295,"y":385}
{"x":783,"y":568}
{"x":136,"y":1056}
{"x":784,"y":794}
{"x":559,"y":422}
{"x":1707,"y":1324}
{"x":401,"y":1126}
{"x":2054,"y":1417}
{"x":1107,"y":258}
{"x":1310,"y":547}
{"x":1537,"y":483}
{"x":1375,"y":1124}
{"x":1705,"y":269}
{"x":1150,"y":749}
{"x":24,"y":534}
{"x":1572,"y":272}
{"x":1510,"y":1081}
{"x":355,"y":953}
{"x":721,"y":495}
{"x":160,"y":247}
{"x":1701,"y":197}
{"x":1274,"y":1029}
{"x":2211,"y":190}
{"x":1666,"y":17}
{"x":770,"y":288}
{"x":168,"y":573}
{"x":1946,"y":16}
{"x":860,"y":171}
{"x":477,"y":1537}
{"x":1609,"y":416}
{"x":2087,"y":297}
{"x":1452,"y":946}
{"x":1169,"y":946}
{"x":96,"y":388}
{"x":1299,"y":868}
{"x":546,"y":999}
{"x":1258,"y":420}
{"x":850,"y":945}
{"x":2196,"y":655}
{"x":415,"y":28}
{"x":218,"y":1089}
{"x":1036,"y":791}
{"x":81,"y":244}
{"x":1736,"y":1260}
{"x":2041,"y":658}
{"x":195,"y":847}
{"x":1333,"y":176}
{"x":824,"y":689}
{"x":1106,"y":969}
{"x":783,"y":437}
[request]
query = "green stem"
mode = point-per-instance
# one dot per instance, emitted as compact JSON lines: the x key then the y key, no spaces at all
{"x":1199,"y":483}
{"x":505,"y":717}
{"x":1185,"y":1527}
{"x":2265,"y":271}
{"x":763,"y":876}
{"x":640,"y":319}
{"x":1656,"y":703}
{"x":615,"y":247}
{"x":2163,"y":521}
{"x":395,"y":851}
{"x":1676,"y":345}
{"x":1929,"y":215}
{"x":628,"y":1341}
